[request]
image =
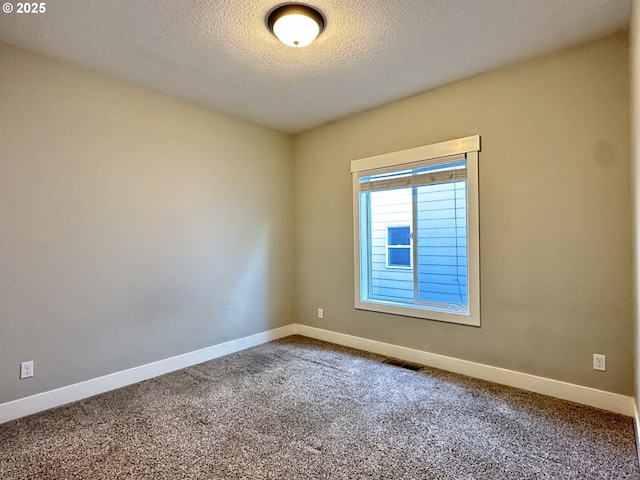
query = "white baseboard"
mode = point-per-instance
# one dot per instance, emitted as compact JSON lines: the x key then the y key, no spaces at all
{"x":71,"y":393}
{"x":567,"y":391}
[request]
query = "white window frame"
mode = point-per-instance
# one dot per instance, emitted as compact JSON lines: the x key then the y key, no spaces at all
{"x":468,"y":146}
{"x":410,"y":247}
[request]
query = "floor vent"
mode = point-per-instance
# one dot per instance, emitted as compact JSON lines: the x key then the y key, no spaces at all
{"x":401,"y":364}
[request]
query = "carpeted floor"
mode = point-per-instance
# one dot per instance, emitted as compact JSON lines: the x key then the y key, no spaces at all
{"x":303,"y":409}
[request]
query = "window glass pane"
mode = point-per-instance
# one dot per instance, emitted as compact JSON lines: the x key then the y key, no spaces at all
{"x":399,"y":236}
{"x":442,"y":245}
{"x":385,"y":281}
{"x":399,"y":257}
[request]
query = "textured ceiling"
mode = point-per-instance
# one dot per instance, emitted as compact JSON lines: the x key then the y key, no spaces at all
{"x":219,"y":53}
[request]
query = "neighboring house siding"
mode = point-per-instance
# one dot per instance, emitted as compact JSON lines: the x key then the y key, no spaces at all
{"x":389,"y":208}
{"x":442,"y":241}
{"x":442,"y":237}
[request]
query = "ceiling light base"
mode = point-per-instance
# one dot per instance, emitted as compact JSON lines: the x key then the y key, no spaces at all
{"x":296,"y":24}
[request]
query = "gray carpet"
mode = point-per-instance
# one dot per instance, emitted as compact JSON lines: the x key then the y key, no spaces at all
{"x":303,"y":409}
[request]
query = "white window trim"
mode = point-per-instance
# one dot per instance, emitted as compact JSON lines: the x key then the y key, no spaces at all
{"x":470,"y":146}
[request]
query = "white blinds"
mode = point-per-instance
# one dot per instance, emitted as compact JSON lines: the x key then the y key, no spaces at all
{"x":427,"y":172}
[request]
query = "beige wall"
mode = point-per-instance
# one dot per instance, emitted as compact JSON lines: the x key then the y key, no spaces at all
{"x":555,"y":205}
{"x":133,"y":226}
{"x":635,"y":180}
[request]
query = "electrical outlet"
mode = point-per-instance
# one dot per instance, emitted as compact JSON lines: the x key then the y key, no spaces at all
{"x":599,"y":362}
{"x":320,"y":313}
{"x":26,"y":369}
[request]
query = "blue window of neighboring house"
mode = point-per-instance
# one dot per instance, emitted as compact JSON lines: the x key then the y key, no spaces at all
{"x":399,"y":247}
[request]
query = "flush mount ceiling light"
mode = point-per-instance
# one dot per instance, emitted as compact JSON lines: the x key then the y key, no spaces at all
{"x":295,"y":24}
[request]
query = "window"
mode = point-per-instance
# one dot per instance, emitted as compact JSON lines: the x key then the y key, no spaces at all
{"x":416,"y":232}
{"x":399,"y":247}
